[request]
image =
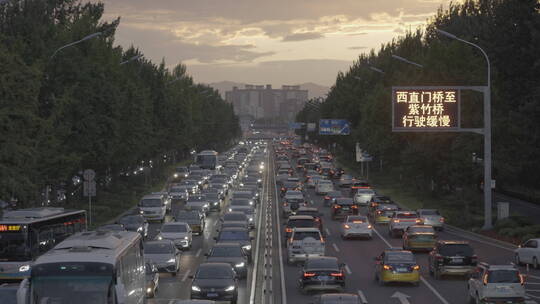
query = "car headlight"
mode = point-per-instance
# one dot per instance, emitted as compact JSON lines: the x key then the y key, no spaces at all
{"x":256,"y":194}
{"x":24,"y":268}
{"x":159,"y":237}
{"x":259,"y":180}
{"x":199,"y":182}
{"x":246,"y":247}
{"x":195,"y":288}
{"x":230,"y":288}
{"x":205,"y":206}
{"x":175,"y":175}
{"x":171,"y":261}
{"x":241,"y":185}
{"x":251,"y":202}
{"x":140,"y":229}
{"x":141,"y":212}
{"x":215,"y":203}
{"x":148,"y":290}
{"x":185,"y":238}
{"x":251,"y":219}
{"x":239,"y":265}
{"x":230,"y":209}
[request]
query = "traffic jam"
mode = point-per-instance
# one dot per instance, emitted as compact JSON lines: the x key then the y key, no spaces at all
{"x":345,"y":242}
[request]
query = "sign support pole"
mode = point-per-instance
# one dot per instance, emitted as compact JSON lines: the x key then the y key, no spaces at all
{"x":487,"y":156}
{"x":90,"y":210}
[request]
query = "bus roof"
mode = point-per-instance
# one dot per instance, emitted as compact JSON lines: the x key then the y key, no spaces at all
{"x":91,"y":246}
{"x":208,"y":152}
{"x":33,"y":215}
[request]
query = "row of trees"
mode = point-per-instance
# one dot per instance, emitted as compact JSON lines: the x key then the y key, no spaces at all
{"x":509,"y":31}
{"x":82,"y":109}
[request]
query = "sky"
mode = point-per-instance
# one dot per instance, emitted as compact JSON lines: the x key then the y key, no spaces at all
{"x":264,"y":41}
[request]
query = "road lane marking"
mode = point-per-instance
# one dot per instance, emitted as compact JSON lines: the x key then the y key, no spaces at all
{"x":362,"y":297}
{"x":283,"y":288}
{"x":433,"y":290}
{"x":185,"y":276}
{"x":198,"y":252}
{"x":328,"y":232}
{"x":171,"y":301}
{"x":335,"y":247}
{"x":478,"y":240}
{"x":402,"y":297}
{"x":348,"y":269}
{"x":382,"y":238}
{"x":534,"y":297}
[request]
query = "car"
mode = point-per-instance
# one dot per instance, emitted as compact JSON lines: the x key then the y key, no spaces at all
{"x":322,"y":274}
{"x":528,"y":253}
{"x":288,"y":185}
{"x":345,"y":181}
{"x":8,"y":293}
{"x":199,"y":203}
{"x":397,"y":266}
{"x":383,"y":213}
{"x":362,"y":197}
{"x":135,"y":223}
{"x":359,"y":184}
{"x":178,"y":232}
{"x":180,"y":173}
{"x":330,"y":197}
{"x":248,"y":211}
{"x":356,"y":226}
{"x":191,"y":302}
{"x":452,"y":258}
{"x":419,"y":237}
{"x":311,"y":211}
{"x":312,"y":180}
{"x":153,"y":207}
{"x":164,"y":254}
{"x":376,"y":200}
{"x":215,"y":281}
{"x":249,"y":194}
{"x":112,"y":227}
{"x":400,"y":220}
{"x":323,"y":186}
{"x":236,"y":235}
{"x":304,"y":243}
{"x":235,"y":217}
{"x":298,"y":221}
{"x":180,"y":192}
{"x":338,"y":298}
{"x":193,"y":218}
{"x":431,"y":217}
{"x":214,"y":199}
{"x":152,"y":279}
{"x":232,"y":253}
{"x":291,"y":202}
{"x":496,"y":284}
{"x":342,"y":207}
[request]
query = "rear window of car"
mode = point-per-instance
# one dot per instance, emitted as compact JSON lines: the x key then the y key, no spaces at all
{"x":406,"y":215}
{"x":300,"y":223}
{"x":430,"y":212}
{"x":298,"y":236}
{"x":503,"y":276}
{"x":234,"y":217}
{"x":344,"y":201}
{"x":321,"y":264}
{"x":396,"y":257}
{"x":456,"y":250}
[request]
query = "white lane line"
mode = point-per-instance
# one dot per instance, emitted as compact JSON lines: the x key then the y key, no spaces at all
{"x":185,"y":276}
{"x":348,"y":269}
{"x":327,"y":232}
{"x":335,"y":247}
{"x":283,"y":288}
{"x":362,"y":297}
{"x":171,"y":301}
{"x":198,"y":252}
{"x":435,"y":292}
{"x":478,"y":240}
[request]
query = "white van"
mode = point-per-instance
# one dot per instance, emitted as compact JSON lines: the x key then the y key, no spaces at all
{"x":305,"y":243}
{"x":153,"y":207}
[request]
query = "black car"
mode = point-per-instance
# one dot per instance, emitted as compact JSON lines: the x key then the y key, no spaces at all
{"x":290,"y":185}
{"x":343,"y":206}
{"x":215,"y":281}
{"x":322,"y":274}
{"x":330,"y":197}
{"x":231,"y":253}
{"x":237,"y":235}
{"x":135,"y":223}
{"x":452,"y":258}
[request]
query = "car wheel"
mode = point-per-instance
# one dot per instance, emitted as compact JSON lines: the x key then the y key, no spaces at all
{"x":535,"y":263}
{"x":517,"y":260}
{"x":234,"y":300}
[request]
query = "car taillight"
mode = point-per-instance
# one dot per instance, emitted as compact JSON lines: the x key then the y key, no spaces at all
{"x":396,"y":221}
{"x":317,"y":219}
{"x":285,"y":204}
{"x":387,"y":267}
{"x":288,"y":230}
{"x":327,"y":197}
{"x":415,"y":267}
{"x":379,"y":212}
{"x":439,"y":257}
{"x":347,"y":226}
{"x":336,"y":274}
{"x":441,"y":219}
{"x":418,"y":221}
{"x":309,"y":274}
{"x":337,"y":206}
{"x":354,"y":207}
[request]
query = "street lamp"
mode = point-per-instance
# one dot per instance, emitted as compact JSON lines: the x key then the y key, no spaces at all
{"x":77,"y":42}
{"x":407,"y":61}
{"x":486,"y":132}
{"x":131,"y":59}
{"x":376,"y":69}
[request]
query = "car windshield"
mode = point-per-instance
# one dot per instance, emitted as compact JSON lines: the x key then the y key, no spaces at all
{"x":217,"y":272}
{"x":14,"y":246}
{"x":8,"y":295}
{"x":300,"y":235}
{"x":503,"y":276}
{"x":174,"y":228}
{"x":151,"y":202}
{"x":241,"y":202}
{"x":234,"y":217}
{"x":158,"y":248}
{"x":399,"y":257}
{"x":294,"y":194}
{"x":406,"y":215}
{"x":233,"y":236}
{"x":321,"y":264}
{"x":304,"y":223}
{"x":424,"y":229}
{"x":177,"y":189}
{"x":456,"y":250}
{"x":430,"y":212}
{"x":344,"y":201}
{"x":226,"y":251}
{"x":89,"y":283}
{"x":346,"y":177}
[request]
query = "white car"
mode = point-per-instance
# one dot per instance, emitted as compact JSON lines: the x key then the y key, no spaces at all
{"x":356,"y":226}
{"x":178,"y":232}
{"x":305,"y":243}
{"x":323,"y":187}
{"x":496,"y":284}
{"x":363,"y":196}
{"x":528,"y":253}
{"x":431,"y":217}
{"x":400,"y":220}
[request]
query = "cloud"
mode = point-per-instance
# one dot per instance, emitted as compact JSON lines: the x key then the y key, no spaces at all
{"x":358,"y":47}
{"x":302,"y":36}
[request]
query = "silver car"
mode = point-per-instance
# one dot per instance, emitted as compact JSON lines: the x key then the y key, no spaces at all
{"x":178,"y":232}
{"x":431,"y":217}
{"x":164,"y":254}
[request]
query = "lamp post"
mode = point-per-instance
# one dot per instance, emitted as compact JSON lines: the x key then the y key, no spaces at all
{"x":407,"y":61}
{"x":131,"y":59}
{"x":486,"y":132}
{"x":77,"y":42}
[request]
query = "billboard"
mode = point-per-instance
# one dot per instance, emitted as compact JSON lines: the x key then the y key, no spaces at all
{"x":425,"y":109}
{"x":334,"y":127}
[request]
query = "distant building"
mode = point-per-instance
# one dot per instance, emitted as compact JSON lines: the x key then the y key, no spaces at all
{"x":258,"y":101}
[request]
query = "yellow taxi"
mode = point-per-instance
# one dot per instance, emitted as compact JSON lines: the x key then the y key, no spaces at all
{"x":396,"y":265}
{"x":419,"y":237}
{"x":383,"y":213}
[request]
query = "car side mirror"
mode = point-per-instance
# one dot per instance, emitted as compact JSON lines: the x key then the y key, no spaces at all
{"x":251,"y":238}
{"x":190,"y":276}
{"x":206,"y":254}
{"x":158,"y":230}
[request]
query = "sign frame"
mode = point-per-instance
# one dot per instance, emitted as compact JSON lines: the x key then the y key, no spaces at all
{"x":458,"y":90}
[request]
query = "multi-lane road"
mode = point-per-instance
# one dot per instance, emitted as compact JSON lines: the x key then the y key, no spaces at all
{"x":270,"y":280}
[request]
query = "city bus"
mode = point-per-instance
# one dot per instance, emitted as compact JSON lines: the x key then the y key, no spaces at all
{"x":105,"y":267}
{"x":207,"y":159}
{"x":25,"y":234}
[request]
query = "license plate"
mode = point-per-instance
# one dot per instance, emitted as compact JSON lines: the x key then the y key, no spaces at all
{"x":345,"y":208}
{"x":457,"y":260}
{"x":211,"y":295}
{"x":401,"y":269}
{"x":324,"y":278}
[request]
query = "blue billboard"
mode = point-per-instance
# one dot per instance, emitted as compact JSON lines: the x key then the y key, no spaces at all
{"x":334,"y":127}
